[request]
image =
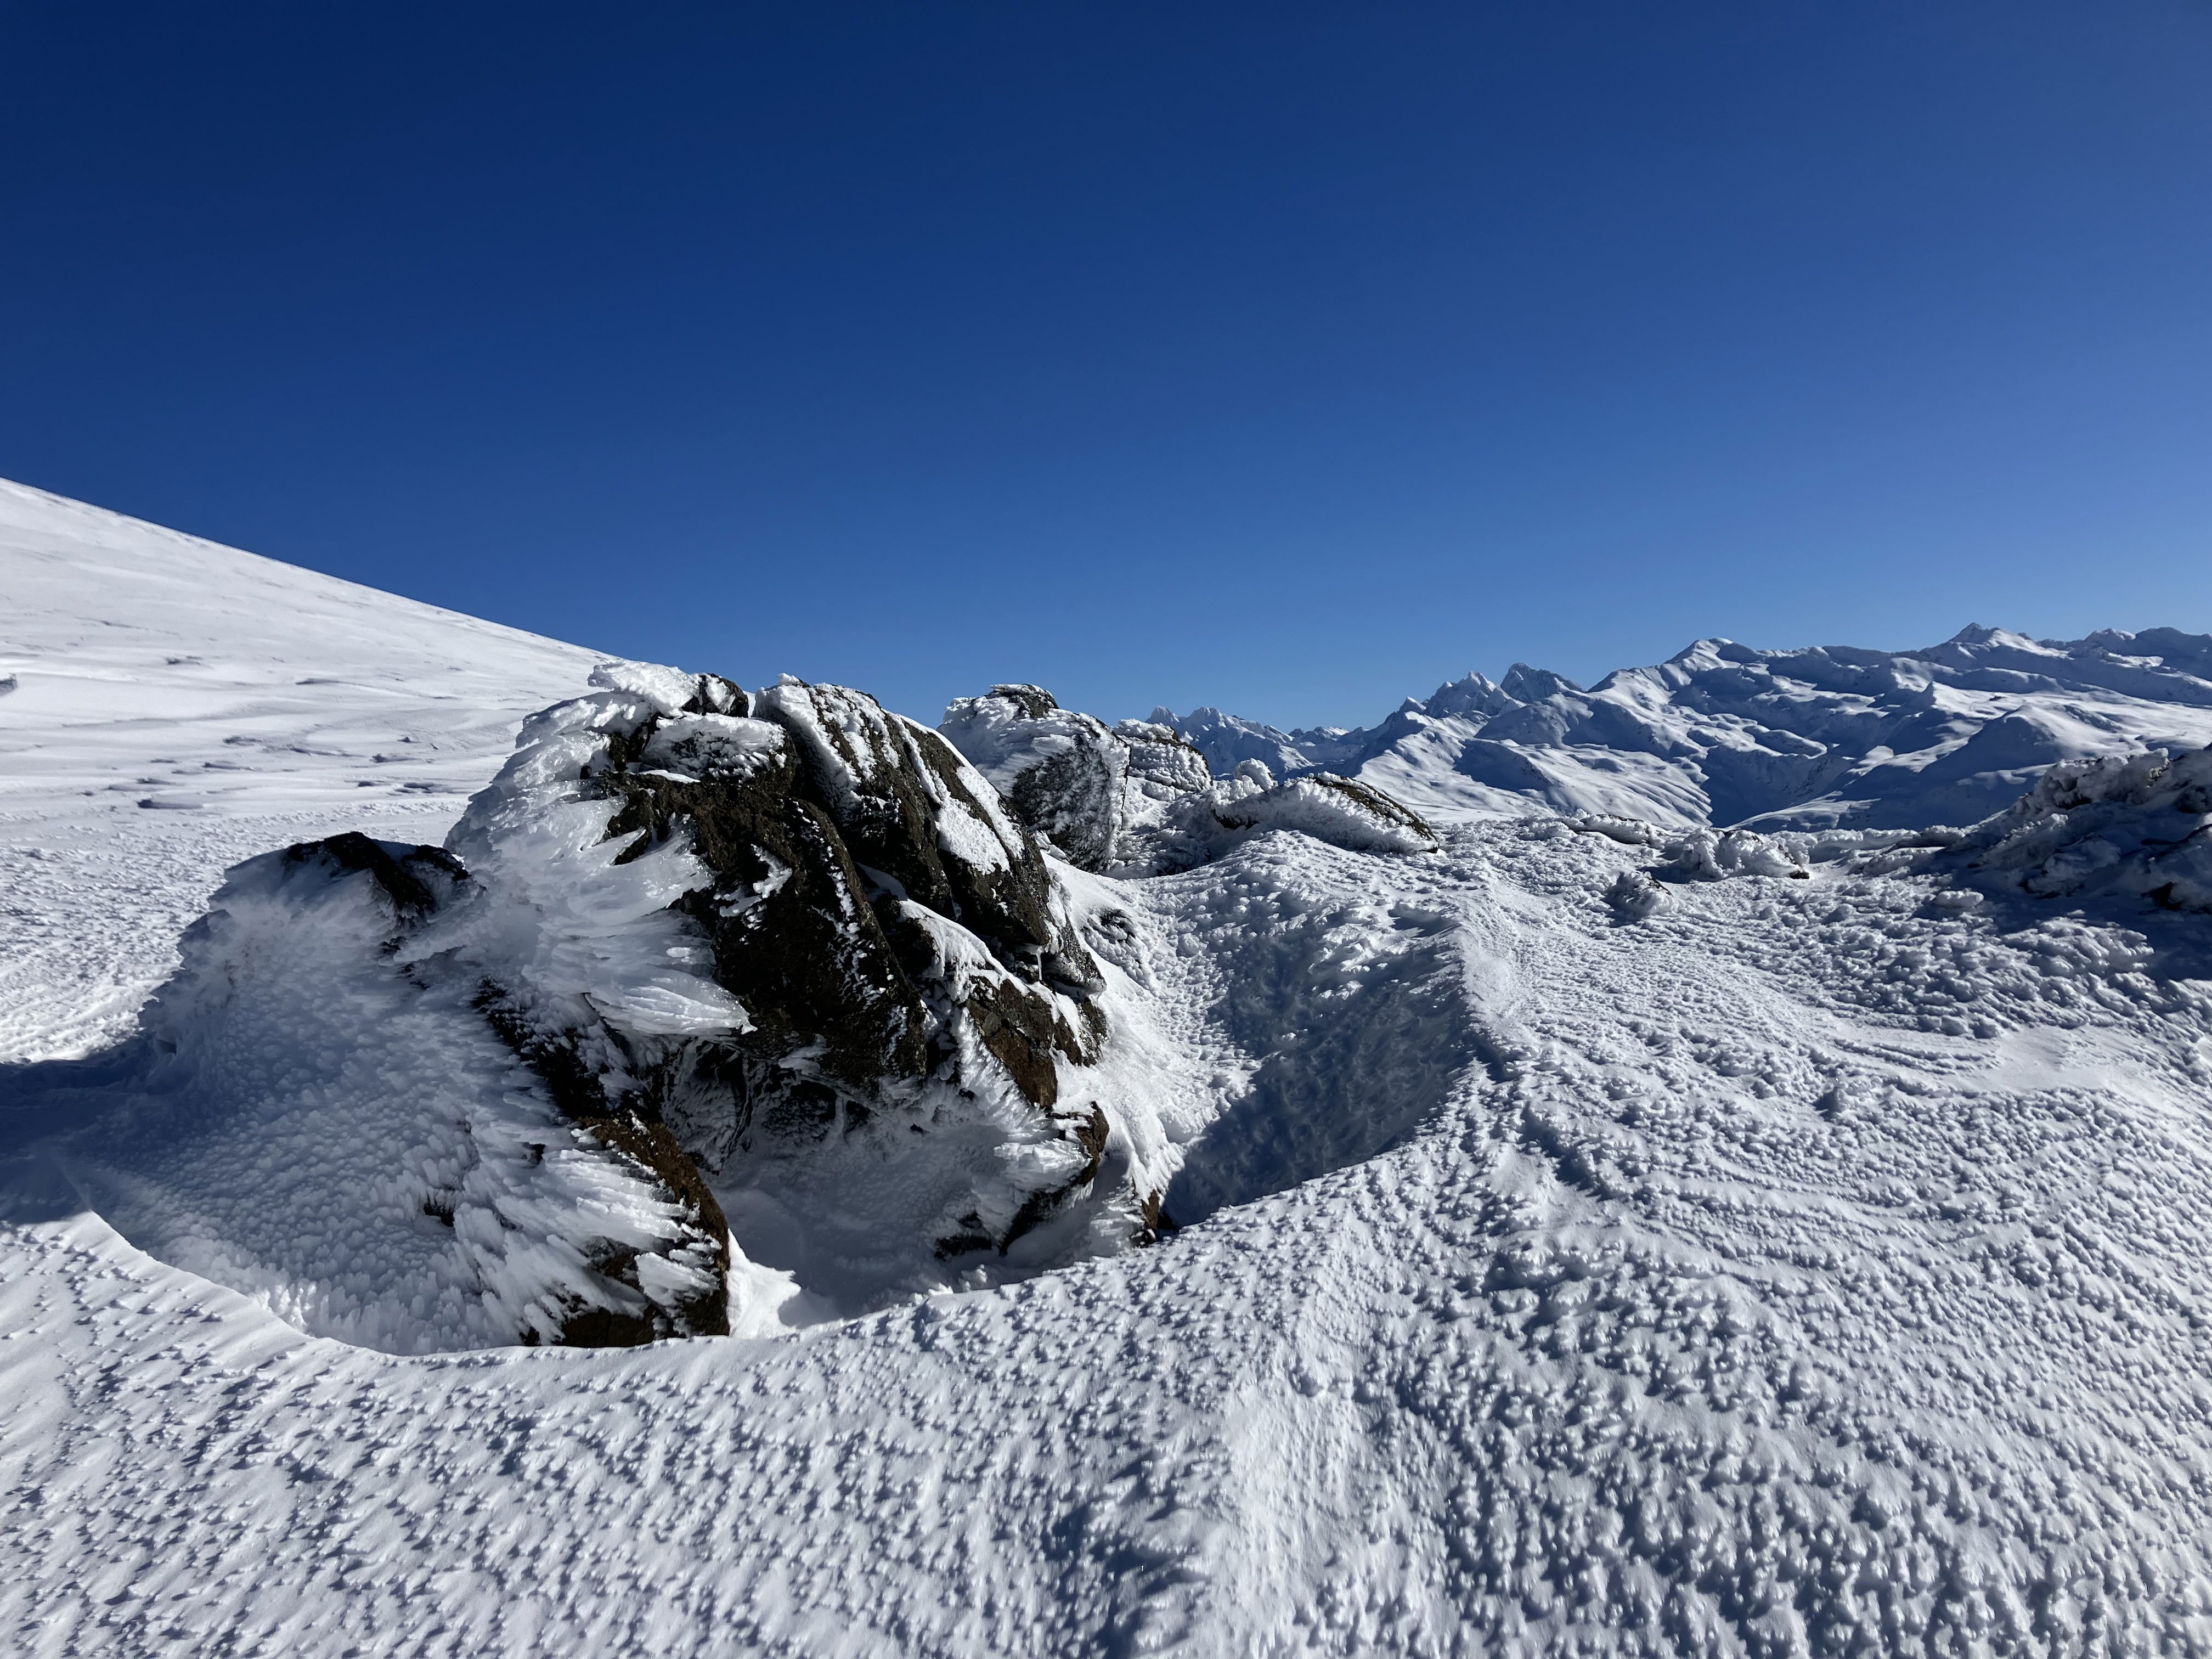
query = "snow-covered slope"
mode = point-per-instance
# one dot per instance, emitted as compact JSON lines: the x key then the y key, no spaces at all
{"x":1724,"y":734}
{"x":168,"y":706}
{"x":1808,"y":1262}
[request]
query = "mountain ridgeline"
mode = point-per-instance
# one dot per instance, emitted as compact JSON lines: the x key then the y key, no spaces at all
{"x":1723,"y":734}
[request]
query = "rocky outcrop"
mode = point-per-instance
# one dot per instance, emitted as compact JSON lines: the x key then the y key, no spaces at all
{"x":895,"y":955}
{"x":1067,"y":775}
{"x":712,"y":999}
{"x":694,"y":948}
{"x":2131,"y":824}
{"x":1331,"y":809}
{"x":1138,"y":799}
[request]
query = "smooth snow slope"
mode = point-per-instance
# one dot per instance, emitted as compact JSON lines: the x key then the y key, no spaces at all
{"x":168,"y":707}
{"x":1814,"y":1266}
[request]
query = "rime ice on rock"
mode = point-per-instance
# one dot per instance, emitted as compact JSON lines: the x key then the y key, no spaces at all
{"x":1139,"y":798}
{"x":2139,"y":824}
{"x":691,"y":945}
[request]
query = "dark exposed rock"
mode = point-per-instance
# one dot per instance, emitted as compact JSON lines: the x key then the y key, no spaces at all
{"x":894,"y":954}
{"x":795,"y":932}
{"x":904,"y":801}
{"x":413,"y":878}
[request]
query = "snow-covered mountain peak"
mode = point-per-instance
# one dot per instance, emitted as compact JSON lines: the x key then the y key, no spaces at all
{"x":1722,"y":732}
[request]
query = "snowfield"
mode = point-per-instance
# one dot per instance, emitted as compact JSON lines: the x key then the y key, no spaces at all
{"x":1602,"y":1232}
{"x":168,"y":707}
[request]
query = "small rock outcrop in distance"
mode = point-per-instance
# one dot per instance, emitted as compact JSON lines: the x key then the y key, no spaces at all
{"x":1138,"y":799}
{"x":2137,"y":823}
{"x":1066,"y":775}
{"x":1335,"y":809}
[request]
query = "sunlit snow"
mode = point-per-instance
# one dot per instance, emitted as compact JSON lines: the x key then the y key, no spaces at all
{"x":1612,"y":1231}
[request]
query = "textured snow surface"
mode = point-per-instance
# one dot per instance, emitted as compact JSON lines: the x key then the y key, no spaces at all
{"x":1810,"y":1262}
{"x":169,"y":707}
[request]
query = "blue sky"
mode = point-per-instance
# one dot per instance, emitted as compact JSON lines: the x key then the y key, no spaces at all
{"x":1289,"y":358}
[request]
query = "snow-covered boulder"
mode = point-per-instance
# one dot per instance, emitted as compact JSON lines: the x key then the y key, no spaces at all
{"x":1065,"y":773}
{"x":1163,"y":765}
{"x":1714,"y":854}
{"x":695,"y":957}
{"x":2139,"y":824}
{"x":1138,"y":799}
{"x":1099,"y":795}
{"x":1331,"y":809}
{"x":329,"y":1121}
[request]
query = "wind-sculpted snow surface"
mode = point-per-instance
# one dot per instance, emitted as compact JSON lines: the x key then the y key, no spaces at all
{"x":178,"y":705}
{"x":1814,"y":1266}
{"x":1721,"y":733}
{"x":1615,"y":1232}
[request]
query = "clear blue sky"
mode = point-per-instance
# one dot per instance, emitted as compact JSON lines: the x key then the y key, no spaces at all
{"x":1290,"y":358}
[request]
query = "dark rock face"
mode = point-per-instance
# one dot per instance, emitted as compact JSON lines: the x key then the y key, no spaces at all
{"x":796,"y":935}
{"x":908,"y":805}
{"x":892,"y":953}
{"x":843,"y":824}
{"x":1073,"y":799}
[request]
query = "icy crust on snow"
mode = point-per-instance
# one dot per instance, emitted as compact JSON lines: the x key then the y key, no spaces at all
{"x":1722,"y":733}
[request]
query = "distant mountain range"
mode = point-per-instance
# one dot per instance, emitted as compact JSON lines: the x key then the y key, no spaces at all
{"x":1722,"y":733}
